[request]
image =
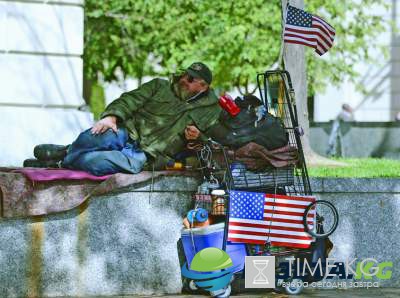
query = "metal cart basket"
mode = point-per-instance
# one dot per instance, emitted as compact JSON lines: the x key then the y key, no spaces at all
{"x":277,"y":96}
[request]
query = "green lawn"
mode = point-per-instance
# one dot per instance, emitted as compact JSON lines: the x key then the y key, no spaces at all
{"x":359,"y":168}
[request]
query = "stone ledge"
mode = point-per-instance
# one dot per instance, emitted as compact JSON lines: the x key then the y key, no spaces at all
{"x":355,"y":185}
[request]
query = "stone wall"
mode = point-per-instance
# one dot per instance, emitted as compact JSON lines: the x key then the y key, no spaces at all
{"x":369,"y":219}
{"x":122,"y":243}
{"x":359,"y":139}
{"x":125,"y":242}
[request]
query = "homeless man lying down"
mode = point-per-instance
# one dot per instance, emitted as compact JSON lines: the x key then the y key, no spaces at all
{"x":148,"y":124}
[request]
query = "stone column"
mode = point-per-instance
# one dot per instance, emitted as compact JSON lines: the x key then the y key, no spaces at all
{"x":40,"y":76}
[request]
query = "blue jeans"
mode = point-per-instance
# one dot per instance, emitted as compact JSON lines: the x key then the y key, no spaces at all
{"x":104,"y":154}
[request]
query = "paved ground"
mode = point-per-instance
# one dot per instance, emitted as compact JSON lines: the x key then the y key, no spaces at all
{"x":347,"y":293}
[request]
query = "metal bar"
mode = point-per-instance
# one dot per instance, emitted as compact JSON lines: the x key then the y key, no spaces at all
{"x":260,"y":89}
{"x":226,"y":199}
{"x":293,"y":116}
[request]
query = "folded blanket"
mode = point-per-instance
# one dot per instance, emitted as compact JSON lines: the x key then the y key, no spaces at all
{"x":255,"y":156}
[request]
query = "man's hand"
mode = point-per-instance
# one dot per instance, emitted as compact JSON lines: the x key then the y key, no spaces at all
{"x":191,"y":132}
{"x":104,"y":124}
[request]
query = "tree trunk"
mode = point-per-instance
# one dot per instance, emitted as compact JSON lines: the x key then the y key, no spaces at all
{"x":295,"y":62}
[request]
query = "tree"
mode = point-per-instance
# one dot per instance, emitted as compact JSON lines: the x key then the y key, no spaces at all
{"x":349,"y":47}
{"x":294,"y":59}
{"x":237,"y":39}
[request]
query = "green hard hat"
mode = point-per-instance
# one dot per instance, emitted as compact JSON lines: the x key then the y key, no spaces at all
{"x":210,"y":259}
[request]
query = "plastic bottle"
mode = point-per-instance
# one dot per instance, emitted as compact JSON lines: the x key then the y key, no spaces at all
{"x":228,"y":104}
{"x":173,"y":165}
{"x":176,"y":166}
{"x":218,"y":202}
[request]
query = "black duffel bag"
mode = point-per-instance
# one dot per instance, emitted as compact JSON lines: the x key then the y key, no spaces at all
{"x":245,"y":127}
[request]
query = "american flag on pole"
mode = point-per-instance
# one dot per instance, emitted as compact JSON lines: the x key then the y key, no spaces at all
{"x":304,"y":28}
{"x":257,"y":218}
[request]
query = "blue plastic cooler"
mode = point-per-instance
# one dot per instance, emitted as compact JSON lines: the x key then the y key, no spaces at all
{"x":212,"y":236}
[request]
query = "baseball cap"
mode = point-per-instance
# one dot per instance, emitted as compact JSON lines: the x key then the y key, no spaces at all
{"x":200,"y":70}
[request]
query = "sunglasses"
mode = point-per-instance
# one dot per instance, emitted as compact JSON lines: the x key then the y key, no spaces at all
{"x":189,"y":78}
{"x":192,"y":79}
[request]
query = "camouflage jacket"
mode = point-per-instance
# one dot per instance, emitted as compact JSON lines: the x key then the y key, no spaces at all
{"x":157,"y":118}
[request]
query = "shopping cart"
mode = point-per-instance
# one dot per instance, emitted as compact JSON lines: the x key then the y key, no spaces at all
{"x":219,"y":168}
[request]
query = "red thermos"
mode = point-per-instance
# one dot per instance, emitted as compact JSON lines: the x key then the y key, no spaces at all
{"x":228,"y":104}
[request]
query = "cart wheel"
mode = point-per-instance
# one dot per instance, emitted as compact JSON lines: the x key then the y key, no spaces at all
{"x":326,"y":219}
{"x":223,"y":293}
{"x":295,"y":287}
{"x":188,"y":286}
{"x":192,"y":285}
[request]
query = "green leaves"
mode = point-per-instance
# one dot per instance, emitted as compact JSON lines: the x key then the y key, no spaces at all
{"x":357,"y":24}
{"x":237,"y":39}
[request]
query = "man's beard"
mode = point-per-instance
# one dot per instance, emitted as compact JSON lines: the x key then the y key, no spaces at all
{"x":181,"y":91}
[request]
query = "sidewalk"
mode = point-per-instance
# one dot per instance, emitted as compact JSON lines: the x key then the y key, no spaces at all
{"x":349,"y":293}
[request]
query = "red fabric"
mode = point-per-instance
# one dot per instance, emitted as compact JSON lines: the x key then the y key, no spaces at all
{"x":43,"y":175}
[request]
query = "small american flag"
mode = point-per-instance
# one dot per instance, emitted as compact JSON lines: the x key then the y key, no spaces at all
{"x":257,"y":218}
{"x":246,"y":217}
{"x":304,"y":28}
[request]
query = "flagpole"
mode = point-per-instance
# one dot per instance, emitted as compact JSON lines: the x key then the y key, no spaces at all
{"x":283,"y":22}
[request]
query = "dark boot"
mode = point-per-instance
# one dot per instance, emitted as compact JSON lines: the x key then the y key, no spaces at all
{"x":34,"y":163}
{"x":50,"y":152}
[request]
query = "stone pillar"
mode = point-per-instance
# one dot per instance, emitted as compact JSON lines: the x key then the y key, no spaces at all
{"x":41,"y":71}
